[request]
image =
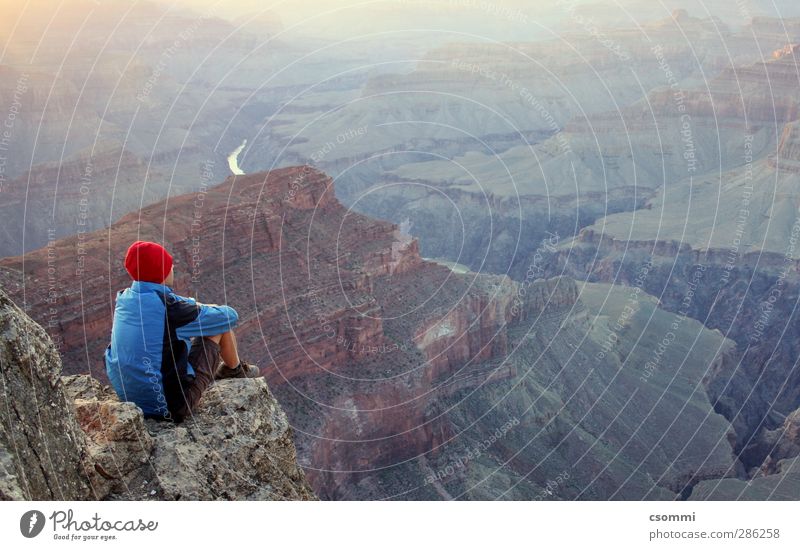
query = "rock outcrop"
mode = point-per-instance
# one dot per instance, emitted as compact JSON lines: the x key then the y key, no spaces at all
{"x":237,"y":446}
{"x":774,"y":446}
{"x":70,"y":438}
{"x":42,"y":448}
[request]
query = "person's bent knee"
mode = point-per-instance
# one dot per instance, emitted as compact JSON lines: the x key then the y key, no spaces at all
{"x":217,"y":338}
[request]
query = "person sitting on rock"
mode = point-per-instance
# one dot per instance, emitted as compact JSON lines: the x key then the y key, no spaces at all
{"x":165,"y":349}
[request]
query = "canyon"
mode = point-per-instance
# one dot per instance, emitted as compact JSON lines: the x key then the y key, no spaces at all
{"x":487,"y":148}
{"x":132,"y":103}
{"x":400,"y":377}
{"x":722,"y":249}
{"x":584,"y":285}
{"x":697,"y":177}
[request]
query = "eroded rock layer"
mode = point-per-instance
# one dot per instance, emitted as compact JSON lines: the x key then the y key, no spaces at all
{"x":395,"y":371}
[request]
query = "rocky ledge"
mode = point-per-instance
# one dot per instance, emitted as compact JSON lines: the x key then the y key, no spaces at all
{"x":71,"y":438}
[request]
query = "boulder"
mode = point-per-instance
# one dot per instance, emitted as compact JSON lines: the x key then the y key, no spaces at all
{"x":238,"y":446}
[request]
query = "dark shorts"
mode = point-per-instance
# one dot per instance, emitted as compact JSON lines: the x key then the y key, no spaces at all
{"x":204,"y":358}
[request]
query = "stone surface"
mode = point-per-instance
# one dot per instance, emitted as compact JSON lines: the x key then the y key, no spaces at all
{"x":237,"y":446}
{"x":70,"y":438}
{"x":771,"y":447}
{"x":42,"y":448}
{"x":118,"y":442}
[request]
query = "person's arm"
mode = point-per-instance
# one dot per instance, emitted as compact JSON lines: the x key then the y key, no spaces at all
{"x":191,"y":318}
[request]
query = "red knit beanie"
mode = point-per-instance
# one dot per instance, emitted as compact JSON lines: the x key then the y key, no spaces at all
{"x":148,"y":262}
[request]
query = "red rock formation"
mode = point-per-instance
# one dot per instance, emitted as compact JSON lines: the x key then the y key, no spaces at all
{"x":356,"y":333}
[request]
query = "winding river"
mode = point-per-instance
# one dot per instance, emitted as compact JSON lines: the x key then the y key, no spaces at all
{"x":233,"y":160}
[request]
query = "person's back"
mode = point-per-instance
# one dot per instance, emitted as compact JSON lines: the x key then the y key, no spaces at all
{"x":165,"y":348}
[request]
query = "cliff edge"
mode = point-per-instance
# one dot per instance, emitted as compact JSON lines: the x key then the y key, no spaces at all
{"x":70,"y":438}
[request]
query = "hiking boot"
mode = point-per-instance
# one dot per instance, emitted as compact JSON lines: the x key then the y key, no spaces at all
{"x":244,"y":370}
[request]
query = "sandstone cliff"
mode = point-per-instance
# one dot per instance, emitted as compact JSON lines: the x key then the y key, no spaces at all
{"x":71,"y":438}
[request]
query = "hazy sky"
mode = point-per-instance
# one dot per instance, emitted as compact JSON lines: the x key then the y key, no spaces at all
{"x":497,"y":19}
{"x":500,"y":19}
{"x":292,"y":10}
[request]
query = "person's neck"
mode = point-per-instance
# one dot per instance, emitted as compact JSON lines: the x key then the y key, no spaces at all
{"x":140,"y":285}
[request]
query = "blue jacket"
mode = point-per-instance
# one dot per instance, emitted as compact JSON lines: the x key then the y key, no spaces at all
{"x":147,"y":361}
